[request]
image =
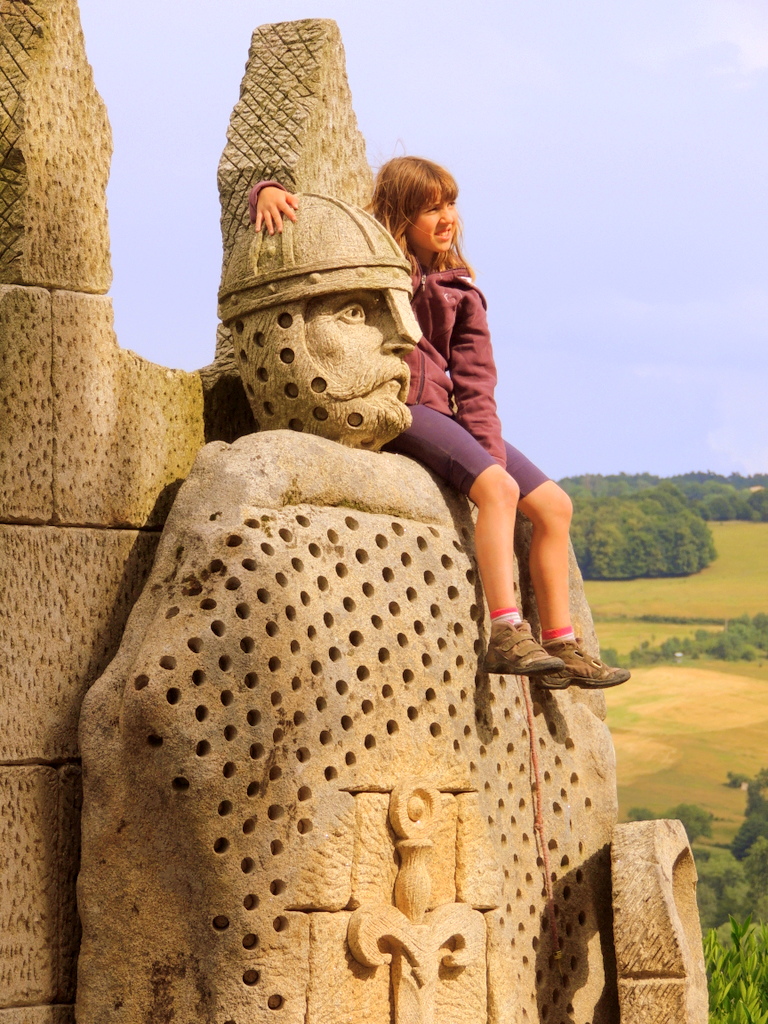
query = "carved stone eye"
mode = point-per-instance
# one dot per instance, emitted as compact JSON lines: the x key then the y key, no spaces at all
{"x":353,"y":314}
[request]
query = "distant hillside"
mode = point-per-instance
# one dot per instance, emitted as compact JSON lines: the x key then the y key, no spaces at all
{"x":709,"y":495}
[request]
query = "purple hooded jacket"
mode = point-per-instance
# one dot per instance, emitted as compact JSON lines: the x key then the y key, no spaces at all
{"x":452,"y":367}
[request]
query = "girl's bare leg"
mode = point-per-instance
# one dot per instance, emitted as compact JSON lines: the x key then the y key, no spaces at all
{"x":496,"y":495}
{"x":549,"y":509}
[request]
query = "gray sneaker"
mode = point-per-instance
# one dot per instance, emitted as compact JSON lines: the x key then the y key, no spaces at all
{"x":514,"y":651}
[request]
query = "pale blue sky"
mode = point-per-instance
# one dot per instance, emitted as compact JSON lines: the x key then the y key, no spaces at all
{"x":613,"y":164}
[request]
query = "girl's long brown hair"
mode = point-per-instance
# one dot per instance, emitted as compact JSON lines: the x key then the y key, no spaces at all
{"x":404,"y":188}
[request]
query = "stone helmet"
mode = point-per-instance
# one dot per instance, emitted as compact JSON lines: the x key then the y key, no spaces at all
{"x":308,"y":361}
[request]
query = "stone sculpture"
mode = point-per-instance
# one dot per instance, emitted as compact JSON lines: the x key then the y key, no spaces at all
{"x":656,"y":925}
{"x":243,"y":754}
{"x":321,"y":318}
{"x":307,"y":644}
{"x":309,"y":638}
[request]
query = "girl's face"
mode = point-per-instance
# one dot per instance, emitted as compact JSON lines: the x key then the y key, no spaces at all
{"x":432,"y":231}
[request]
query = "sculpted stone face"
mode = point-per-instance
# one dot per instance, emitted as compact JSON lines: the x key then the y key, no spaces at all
{"x":331,"y":366}
{"x":321,"y":322}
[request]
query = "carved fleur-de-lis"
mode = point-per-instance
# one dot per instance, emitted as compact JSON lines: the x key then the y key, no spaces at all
{"x":413,"y":940}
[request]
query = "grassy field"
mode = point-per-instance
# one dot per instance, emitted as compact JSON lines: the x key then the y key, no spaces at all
{"x":735,"y":583}
{"x":624,"y":634}
{"x":679,"y":729}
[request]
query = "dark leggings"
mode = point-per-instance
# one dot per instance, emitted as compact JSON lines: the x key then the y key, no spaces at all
{"x":452,"y":452}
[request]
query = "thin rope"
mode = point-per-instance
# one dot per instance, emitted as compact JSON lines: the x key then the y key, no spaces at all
{"x":538,"y":824}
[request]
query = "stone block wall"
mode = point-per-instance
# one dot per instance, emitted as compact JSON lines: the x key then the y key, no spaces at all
{"x":94,"y":442}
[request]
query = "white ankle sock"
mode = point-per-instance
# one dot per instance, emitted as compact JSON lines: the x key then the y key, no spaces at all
{"x":511,"y":615}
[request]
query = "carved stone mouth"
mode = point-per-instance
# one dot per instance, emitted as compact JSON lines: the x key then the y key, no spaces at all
{"x":392,"y":384}
{"x":396,"y":384}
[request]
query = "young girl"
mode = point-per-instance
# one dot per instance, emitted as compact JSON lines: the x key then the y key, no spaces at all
{"x":456,"y":430}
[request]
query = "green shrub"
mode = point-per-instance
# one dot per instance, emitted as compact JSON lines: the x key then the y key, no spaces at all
{"x":738,"y":974}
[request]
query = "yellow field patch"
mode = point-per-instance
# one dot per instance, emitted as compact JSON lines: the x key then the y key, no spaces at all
{"x":635,"y":752}
{"x":670,"y":699}
{"x":678,"y":731}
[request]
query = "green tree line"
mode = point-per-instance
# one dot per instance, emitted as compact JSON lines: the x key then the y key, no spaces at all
{"x":709,"y":495}
{"x":649,"y":532}
{"x":741,"y":639}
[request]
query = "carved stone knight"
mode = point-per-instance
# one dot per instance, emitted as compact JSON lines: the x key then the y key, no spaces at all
{"x":321,"y":318}
{"x":307,"y":643}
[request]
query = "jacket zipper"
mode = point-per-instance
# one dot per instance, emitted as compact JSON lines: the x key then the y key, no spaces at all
{"x":422,"y":376}
{"x":422,"y":357}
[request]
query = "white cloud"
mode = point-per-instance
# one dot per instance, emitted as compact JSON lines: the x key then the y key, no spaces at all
{"x":744,"y":25}
{"x":733,"y":34}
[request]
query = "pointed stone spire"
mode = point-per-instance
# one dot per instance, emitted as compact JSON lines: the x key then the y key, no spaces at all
{"x":55,"y":150}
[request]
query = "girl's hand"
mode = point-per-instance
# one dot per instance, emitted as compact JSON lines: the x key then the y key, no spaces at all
{"x":272,"y":205}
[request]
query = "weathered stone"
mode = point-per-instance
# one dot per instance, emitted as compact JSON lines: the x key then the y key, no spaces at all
{"x":61,"y":1014}
{"x":281,"y":963}
{"x":443,"y":859}
{"x":511,"y":993}
{"x":70,"y":807}
{"x":342,"y":991}
{"x":66,"y":596}
{"x":226,"y":410}
{"x":38,"y":925}
{"x":436,"y":947}
{"x":461,"y":996}
{"x":312,"y":629}
{"x":55,"y":148}
{"x":294,"y":122}
{"x":478,"y":875}
{"x":656,"y":925}
{"x":374,"y":868}
{"x":26,"y":407}
{"x":322,"y":320}
{"x":323,"y":880}
{"x":127,"y":430}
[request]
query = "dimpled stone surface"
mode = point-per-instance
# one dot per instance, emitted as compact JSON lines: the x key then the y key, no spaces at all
{"x":26,"y":406}
{"x":55,"y":148}
{"x":38,"y":929}
{"x":66,"y":596}
{"x":127,"y":430}
{"x":307,"y":636}
{"x":322,"y":324}
{"x":656,"y":925}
